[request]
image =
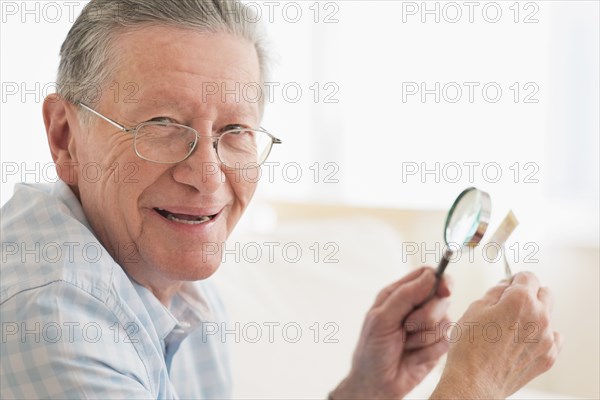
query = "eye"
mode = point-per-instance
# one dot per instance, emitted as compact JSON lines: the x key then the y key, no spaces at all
{"x":233,"y":126}
{"x":162,"y":119}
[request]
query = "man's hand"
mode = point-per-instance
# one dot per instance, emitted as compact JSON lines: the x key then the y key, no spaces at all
{"x":505,"y":341}
{"x":393,"y":354}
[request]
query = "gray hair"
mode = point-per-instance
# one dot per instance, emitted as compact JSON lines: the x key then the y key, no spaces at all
{"x":87,"y":58}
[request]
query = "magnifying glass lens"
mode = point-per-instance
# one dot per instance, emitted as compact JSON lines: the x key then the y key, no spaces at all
{"x":465,"y":218}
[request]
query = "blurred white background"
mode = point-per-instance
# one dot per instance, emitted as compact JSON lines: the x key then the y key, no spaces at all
{"x":399,"y":105}
{"x":354,"y":97}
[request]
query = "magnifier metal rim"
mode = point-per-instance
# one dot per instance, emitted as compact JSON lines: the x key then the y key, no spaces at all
{"x":484,"y":216}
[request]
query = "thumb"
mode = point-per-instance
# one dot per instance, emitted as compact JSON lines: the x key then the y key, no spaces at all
{"x":405,"y":297}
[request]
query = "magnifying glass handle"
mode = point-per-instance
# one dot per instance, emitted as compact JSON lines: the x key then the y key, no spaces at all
{"x":442,"y":265}
{"x":438,"y":275}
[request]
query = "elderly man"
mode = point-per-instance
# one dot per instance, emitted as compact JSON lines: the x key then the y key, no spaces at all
{"x":105,"y":278}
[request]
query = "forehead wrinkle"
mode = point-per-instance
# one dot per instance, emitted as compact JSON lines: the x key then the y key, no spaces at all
{"x":188,"y":72}
{"x":188,"y":64}
{"x":161,"y":94}
{"x":193,"y":105}
{"x":184,"y":90}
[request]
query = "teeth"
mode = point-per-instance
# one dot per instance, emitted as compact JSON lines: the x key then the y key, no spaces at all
{"x":188,"y":219}
{"x":189,"y":222}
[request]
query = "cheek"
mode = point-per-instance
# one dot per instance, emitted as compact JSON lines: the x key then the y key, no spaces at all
{"x":114,"y":197}
{"x":243,"y":183}
{"x":128,"y":185}
{"x":243,"y":187}
{"x":104,"y":157}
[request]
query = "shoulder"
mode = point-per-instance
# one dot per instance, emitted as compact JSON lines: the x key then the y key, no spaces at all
{"x":73,"y":324}
{"x":46,"y":238}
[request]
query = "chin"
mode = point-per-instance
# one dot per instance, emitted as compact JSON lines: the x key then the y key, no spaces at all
{"x":203,"y":273}
{"x":192,"y":270}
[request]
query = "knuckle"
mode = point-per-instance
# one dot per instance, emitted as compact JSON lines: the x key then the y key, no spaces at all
{"x":518,"y":292}
{"x":476,"y":305}
{"x":521,"y":299}
{"x":548,"y":292}
{"x":386,"y":291}
{"x":382,"y":296}
{"x":544,"y":321}
{"x":549,"y":360}
{"x":544,"y":344}
{"x":374,"y":315}
{"x":529,"y":276}
{"x":429,"y":324}
{"x":427,"y":269}
{"x":547,"y":341}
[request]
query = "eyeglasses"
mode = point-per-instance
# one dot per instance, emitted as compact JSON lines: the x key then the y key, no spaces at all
{"x":171,"y":143}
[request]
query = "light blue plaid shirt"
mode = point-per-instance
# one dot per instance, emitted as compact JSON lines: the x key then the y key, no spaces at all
{"x":74,"y":325}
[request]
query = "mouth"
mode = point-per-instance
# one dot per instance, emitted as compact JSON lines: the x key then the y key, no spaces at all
{"x":187,"y":219}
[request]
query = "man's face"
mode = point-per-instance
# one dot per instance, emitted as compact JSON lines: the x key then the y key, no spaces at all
{"x":164,"y":73}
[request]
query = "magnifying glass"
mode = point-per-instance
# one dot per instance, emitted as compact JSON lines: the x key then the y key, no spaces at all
{"x":465,"y":225}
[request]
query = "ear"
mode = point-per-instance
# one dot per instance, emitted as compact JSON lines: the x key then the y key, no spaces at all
{"x":61,"y":123}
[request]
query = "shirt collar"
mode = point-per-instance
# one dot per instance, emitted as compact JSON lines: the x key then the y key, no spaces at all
{"x":188,"y":309}
{"x":62,"y":191}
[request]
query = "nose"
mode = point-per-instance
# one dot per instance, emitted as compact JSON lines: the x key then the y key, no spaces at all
{"x":202,"y":169}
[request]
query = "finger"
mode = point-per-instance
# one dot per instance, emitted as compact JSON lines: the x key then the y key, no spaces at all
{"x":559,"y":340}
{"x":421,"y":339}
{"x":411,"y":293}
{"x":427,"y":337}
{"x":545,"y":296}
{"x":428,"y":315}
{"x":445,"y":287}
{"x":403,"y":300}
{"x":388,"y":290}
{"x":550,"y":358}
{"x":493,"y":295}
{"x":527,"y":279}
{"x":427,"y":354}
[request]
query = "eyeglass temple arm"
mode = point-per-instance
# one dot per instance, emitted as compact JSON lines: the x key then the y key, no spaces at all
{"x":273,"y":138}
{"x":110,"y":121}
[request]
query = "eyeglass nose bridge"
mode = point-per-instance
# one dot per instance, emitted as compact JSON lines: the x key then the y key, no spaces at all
{"x":194,"y":145}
